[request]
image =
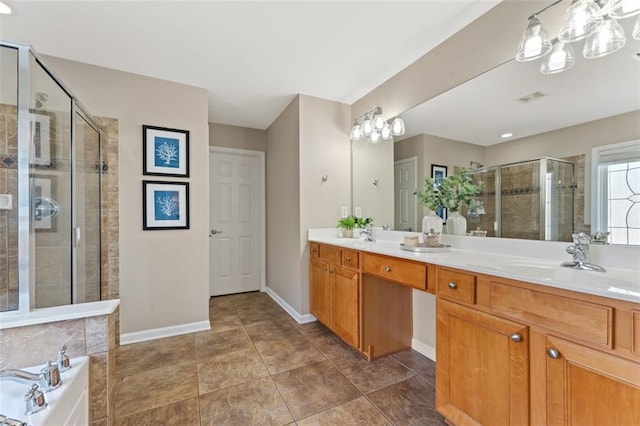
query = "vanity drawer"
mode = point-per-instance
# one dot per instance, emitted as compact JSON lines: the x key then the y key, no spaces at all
{"x":330,"y":254}
{"x":578,"y":318}
{"x":410,"y":274}
{"x":456,"y":285}
{"x":350,"y":259}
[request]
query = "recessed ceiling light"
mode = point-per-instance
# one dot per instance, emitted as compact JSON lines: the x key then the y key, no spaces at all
{"x":4,"y":9}
{"x":506,"y":135}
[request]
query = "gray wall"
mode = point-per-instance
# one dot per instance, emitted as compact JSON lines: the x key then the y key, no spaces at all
{"x":236,"y":137}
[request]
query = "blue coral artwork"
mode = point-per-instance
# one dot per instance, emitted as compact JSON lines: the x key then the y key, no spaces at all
{"x":167,"y":205}
{"x":166,"y":152}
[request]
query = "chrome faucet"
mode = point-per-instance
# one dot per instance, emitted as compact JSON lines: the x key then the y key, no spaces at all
{"x":48,"y":378}
{"x":368,"y":231}
{"x":580,"y":252}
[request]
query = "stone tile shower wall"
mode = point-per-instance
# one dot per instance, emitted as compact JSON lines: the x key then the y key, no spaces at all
{"x":9,"y":218}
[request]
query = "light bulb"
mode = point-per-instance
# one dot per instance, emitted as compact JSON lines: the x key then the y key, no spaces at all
{"x":367,"y":127}
{"x":581,"y":20}
{"x":608,"y":38}
{"x":624,"y":8}
{"x":636,"y":29}
{"x":561,"y":58}
{"x":378,"y":121}
{"x":397,"y":127}
{"x":375,"y":137}
{"x":534,"y":42}
{"x":385,"y":133}
{"x":4,"y":9}
{"x":356,"y":132}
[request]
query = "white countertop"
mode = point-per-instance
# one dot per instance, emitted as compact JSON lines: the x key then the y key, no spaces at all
{"x":616,"y":283}
{"x":13,"y":319}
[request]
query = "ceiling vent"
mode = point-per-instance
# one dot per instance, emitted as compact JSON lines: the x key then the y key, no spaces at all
{"x":530,"y":97}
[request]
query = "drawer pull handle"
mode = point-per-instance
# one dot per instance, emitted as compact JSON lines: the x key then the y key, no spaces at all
{"x":348,"y":259}
{"x":516,"y":337}
{"x":452,"y":286}
{"x":553,"y":353}
{"x":387,"y":269}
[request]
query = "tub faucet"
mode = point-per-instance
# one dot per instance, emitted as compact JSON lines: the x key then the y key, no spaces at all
{"x":580,"y":252}
{"x":48,"y":378}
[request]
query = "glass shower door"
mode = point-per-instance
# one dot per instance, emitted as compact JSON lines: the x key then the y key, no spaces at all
{"x":86,"y":221}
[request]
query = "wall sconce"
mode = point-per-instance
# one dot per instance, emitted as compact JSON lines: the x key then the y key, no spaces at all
{"x":593,"y":20}
{"x":374,"y":128}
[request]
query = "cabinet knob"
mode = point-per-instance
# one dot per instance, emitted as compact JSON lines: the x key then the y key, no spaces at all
{"x":387,"y":269}
{"x":348,"y":259}
{"x":331,"y":271}
{"x":325,"y":268}
{"x":452,"y":285}
{"x":553,"y":353}
{"x":516,"y":337}
{"x":312,"y":250}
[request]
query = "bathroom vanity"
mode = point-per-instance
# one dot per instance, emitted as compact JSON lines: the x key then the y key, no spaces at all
{"x":518,"y":340}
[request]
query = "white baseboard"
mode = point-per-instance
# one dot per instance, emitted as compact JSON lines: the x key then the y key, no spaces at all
{"x":424,"y":349}
{"x":159,"y":333}
{"x":301,"y":319}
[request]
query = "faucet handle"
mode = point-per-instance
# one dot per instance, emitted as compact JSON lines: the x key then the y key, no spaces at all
{"x":50,"y":376}
{"x":34,"y":400}
{"x":63,"y":359}
{"x":581,"y":238}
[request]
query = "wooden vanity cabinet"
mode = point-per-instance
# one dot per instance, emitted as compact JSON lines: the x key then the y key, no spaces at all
{"x":511,"y":352}
{"x":483,"y":367}
{"x":334,"y":290}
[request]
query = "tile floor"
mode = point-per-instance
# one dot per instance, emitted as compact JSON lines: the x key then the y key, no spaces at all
{"x":257,"y":366}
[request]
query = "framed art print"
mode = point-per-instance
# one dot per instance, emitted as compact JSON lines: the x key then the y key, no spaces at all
{"x":165,"y":151}
{"x":165,"y":205}
{"x":438,"y":173}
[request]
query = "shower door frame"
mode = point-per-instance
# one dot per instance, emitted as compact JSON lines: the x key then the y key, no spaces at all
{"x":25,"y":186}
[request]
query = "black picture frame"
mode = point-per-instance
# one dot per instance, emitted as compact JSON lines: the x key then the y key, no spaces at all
{"x":439,"y":172}
{"x":165,"y":205}
{"x":165,"y":151}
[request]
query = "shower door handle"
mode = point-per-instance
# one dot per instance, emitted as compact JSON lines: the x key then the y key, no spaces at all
{"x":76,"y":237}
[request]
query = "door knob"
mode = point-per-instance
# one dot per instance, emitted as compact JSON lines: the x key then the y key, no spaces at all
{"x":215,"y":231}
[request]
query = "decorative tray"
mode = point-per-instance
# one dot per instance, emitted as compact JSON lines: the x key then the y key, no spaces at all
{"x":421,"y":248}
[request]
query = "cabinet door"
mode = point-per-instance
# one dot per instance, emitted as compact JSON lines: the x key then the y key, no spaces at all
{"x":482,"y":368}
{"x":344,"y":285}
{"x":589,"y":387}
{"x":320,"y":290}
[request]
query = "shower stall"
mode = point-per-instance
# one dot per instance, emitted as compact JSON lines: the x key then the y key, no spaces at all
{"x":50,"y":175}
{"x":531,"y":200}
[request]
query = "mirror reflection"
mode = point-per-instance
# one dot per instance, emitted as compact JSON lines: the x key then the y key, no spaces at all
{"x":500,"y":124}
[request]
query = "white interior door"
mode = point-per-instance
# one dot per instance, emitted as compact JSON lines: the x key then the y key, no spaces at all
{"x":405,"y":203}
{"x":236,"y":218}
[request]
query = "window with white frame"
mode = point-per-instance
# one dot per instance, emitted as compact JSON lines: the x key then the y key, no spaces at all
{"x":616,"y":192}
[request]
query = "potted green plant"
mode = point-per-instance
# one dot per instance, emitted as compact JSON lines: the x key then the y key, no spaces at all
{"x":453,"y":192}
{"x":347,"y":223}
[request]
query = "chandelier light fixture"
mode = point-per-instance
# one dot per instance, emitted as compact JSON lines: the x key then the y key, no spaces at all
{"x":594,"y":21}
{"x":374,"y":128}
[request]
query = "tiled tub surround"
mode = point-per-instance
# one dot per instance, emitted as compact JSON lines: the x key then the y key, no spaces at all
{"x":536,"y":262}
{"x":86,"y":329}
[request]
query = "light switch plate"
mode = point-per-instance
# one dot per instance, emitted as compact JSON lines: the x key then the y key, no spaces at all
{"x":6,"y":202}
{"x":344,"y":211}
{"x":358,"y":212}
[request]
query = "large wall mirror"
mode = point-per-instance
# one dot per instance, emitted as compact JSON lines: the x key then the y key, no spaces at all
{"x":567,"y":116}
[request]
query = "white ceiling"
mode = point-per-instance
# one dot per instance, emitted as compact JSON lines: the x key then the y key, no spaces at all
{"x":482,"y":109}
{"x":253,"y":57}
